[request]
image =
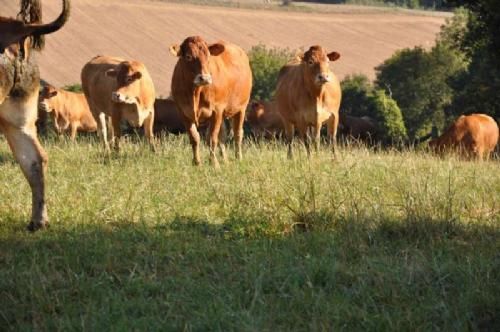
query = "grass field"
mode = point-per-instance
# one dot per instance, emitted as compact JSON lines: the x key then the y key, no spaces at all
{"x":397,"y":241}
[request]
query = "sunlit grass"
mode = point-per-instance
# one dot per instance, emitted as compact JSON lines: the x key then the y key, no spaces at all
{"x":367,"y":241}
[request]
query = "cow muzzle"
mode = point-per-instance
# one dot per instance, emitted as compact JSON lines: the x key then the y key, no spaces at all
{"x":203,"y":79}
{"x":322,"y":79}
{"x":121,"y":98}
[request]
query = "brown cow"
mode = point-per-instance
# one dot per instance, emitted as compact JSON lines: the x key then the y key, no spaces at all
{"x":362,"y":128}
{"x":19,"y":85}
{"x":307,"y":95}
{"x":69,"y":110}
{"x":265,"y":120}
{"x":474,"y":136}
{"x":167,"y":117}
{"x":211,"y":82}
{"x":119,"y":89}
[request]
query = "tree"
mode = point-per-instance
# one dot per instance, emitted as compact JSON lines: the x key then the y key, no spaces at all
{"x":476,"y":88}
{"x":266,"y":64}
{"x":419,"y":81}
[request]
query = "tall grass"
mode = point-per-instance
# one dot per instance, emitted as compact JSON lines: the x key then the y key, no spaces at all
{"x":142,"y":241}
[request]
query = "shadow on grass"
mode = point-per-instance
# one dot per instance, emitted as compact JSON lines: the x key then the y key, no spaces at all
{"x":250,"y":274}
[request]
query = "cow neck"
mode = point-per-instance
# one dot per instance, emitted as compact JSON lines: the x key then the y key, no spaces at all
{"x":312,"y":90}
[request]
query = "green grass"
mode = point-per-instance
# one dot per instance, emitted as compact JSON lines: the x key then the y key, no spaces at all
{"x":397,"y":241}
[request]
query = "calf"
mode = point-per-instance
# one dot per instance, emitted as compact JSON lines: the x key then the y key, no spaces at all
{"x":69,"y":110}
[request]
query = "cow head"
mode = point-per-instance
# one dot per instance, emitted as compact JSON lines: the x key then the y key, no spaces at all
{"x":45,"y":97}
{"x":255,"y":112}
{"x":316,"y":63}
{"x":128,"y":77}
{"x":194,"y":53}
{"x":127,"y":83}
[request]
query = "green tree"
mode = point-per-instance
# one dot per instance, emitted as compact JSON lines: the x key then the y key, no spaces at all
{"x":419,"y":81}
{"x":266,"y":64}
{"x":476,"y":88}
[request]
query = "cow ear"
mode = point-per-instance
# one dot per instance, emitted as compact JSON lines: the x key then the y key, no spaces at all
{"x":333,"y":56}
{"x":53,"y":93}
{"x":216,"y":49}
{"x":175,"y":50}
{"x":111,"y":73}
{"x":137,"y":75}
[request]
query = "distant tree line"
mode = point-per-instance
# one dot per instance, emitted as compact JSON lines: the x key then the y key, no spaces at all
{"x":435,"y":4}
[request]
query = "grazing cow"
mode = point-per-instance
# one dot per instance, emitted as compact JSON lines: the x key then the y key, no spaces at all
{"x":362,"y":128}
{"x":19,"y":85}
{"x":167,"y":117}
{"x":119,"y":89}
{"x":474,"y":136}
{"x":211,"y":82}
{"x":307,"y":95}
{"x":69,"y":110}
{"x":265,"y":120}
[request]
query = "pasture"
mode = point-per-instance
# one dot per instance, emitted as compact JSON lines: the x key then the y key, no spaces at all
{"x":141,"y":241}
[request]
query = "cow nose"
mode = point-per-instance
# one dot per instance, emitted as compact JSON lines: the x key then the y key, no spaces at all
{"x":115,"y":96}
{"x":323,"y":78}
{"x":203,"y":79}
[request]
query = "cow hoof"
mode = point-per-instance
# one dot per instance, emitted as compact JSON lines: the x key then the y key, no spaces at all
{"x":33,"y":227}
{"x":196,"y":162}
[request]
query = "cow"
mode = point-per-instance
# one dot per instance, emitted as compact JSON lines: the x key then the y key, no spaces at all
{"x":264,"y":119}
{"x":362,"y":128}
{"x":211,"y":82}
{"x":167,"y":117}
{"x":118,"y":89}
{"x":473,"y":136}
{"x":69,"y":110}
{"x":19,"y":86}
{"x":307,"y":95}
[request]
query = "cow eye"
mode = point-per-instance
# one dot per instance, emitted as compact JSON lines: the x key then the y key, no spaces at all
{"x":311,"y":62}
{"x":189,"y":57}
{"x":129,"y":79}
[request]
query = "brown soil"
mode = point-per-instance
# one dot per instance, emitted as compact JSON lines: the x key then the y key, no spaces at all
{"x":144,"y":30}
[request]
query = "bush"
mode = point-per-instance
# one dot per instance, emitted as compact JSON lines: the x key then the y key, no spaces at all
{"x":359,"y":98}
{"x":389,"y":118}
{"x":266,"y":64}
{"x":77,"y":87}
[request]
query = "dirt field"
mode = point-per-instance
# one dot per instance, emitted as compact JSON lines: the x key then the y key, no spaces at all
{"x":145,"y":29}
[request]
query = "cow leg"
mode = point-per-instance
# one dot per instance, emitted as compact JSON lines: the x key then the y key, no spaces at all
{"x":238,"y":121}
{"x":317,"y":136}
{"x":289,"y":132}
{"x":222,"y":142}
{"x":148,"y":130}
{"x":194,"y":138}
{"x":102,"y":130}
{"x":333,"y":124}
{"x":33,"y":161}
{"x":74,"y":128}
{"x":215,"y":128}
{"x":305,"y":139}
{"x":116,"y":132}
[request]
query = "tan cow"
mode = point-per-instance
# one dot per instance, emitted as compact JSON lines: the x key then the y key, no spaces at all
{"x":307,"y":95}
{"x":19,"y":85}
{"x":69,"y":110}
{"x":119,"y":89}
{"x":473,"y":136}
{"x":211,"y":82}
{"x":265,"y":120}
